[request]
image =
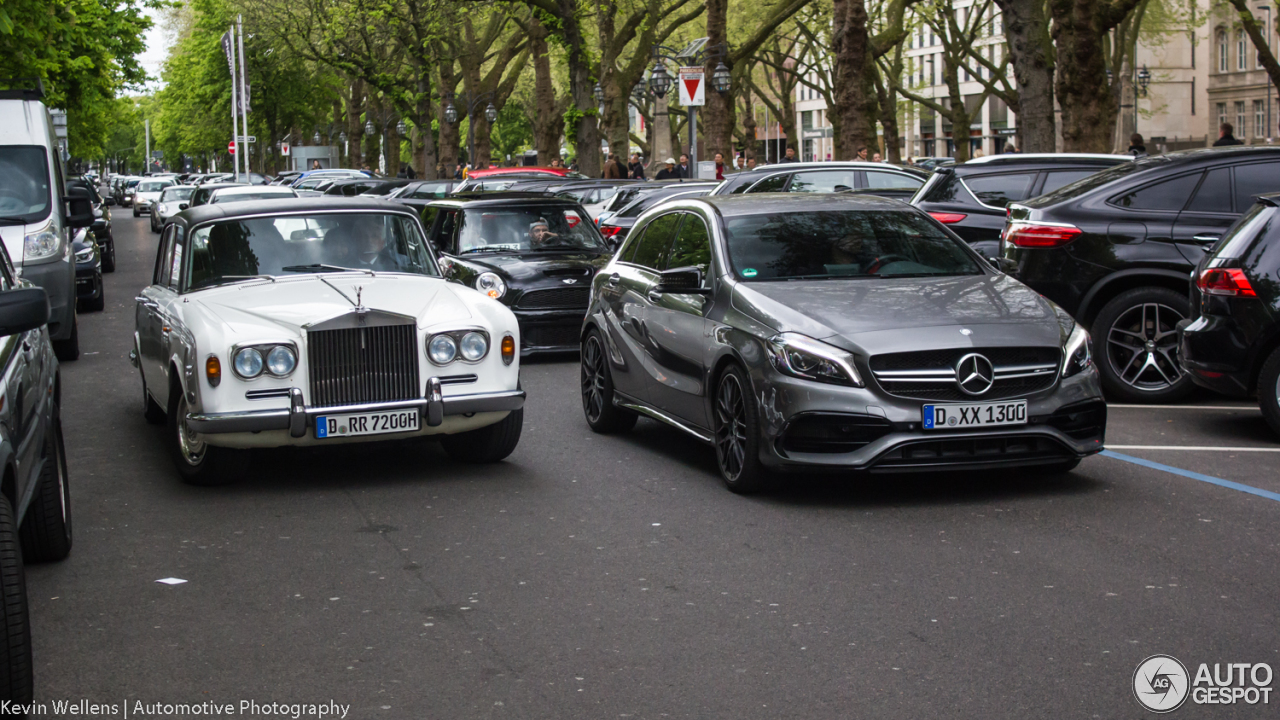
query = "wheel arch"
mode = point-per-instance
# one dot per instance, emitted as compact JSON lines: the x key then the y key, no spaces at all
{"x":1112,"y":285}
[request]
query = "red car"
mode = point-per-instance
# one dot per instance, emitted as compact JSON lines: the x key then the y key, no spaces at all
{"x":559,"y":172}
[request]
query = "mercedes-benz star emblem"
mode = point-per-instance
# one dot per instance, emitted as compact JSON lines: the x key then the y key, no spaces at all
{"x":974,"y":374}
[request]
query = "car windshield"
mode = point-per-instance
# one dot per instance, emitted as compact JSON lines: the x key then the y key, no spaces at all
{"x":840,"y":244}
{"x":176,"y":194}
{"x":526,"y":227}
{"x":152,"y":186}
{"x":24,"y":183}
{"x":234,"y":250}
{"x":238,"y":197}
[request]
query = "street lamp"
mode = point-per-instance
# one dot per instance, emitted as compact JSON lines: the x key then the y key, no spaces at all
{"x":491,"y":113}
{"x":1144,"y":79}
{"x":369,"y":129}
{"x":472,"y":102}
{"x":598,"y":93}
{"x":401,"y":128}
{"x":660,"y":79}
{"x":721,"y":80}
{"x":315,"y":139}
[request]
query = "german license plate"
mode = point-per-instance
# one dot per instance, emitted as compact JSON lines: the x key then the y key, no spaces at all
{"x":958,"y":417}
{"x":371,"y":423}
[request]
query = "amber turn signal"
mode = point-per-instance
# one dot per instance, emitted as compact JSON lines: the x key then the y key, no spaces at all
{"x":508,"y":350}
{"x":213,"y":371}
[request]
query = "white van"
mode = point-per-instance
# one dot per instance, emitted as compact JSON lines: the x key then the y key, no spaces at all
{"x":38,"y":211}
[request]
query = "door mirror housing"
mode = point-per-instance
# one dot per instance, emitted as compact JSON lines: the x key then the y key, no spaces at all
{"x":79,"y":207}
{"x":684,"y":280}
{"x":22,"y":310}
{"x":183,"y":206}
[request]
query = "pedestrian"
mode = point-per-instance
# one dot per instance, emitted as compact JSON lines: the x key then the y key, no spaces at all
{"x":635,"y":169}
{"x":611,"y":168}
{"x":410,"y":173}
{"x":751,"y":163}
{"x":862,"y":153}
{"x":740,"y":164}
{"x":686,"y":172}
{"x":720,"y":166}
{"x":669,"y":172}
{"x":402,"y":173}
{"x":573,"y":165}
{"x":790,"y":157}
{"x":1010,"y":148}
{"x":1226,"y":136}
{"x":457,"y":171}
{"x":910,"y":160}
{"x":876,"y":158}
{"x":1137,"y":147}
{"x":315,"y":165}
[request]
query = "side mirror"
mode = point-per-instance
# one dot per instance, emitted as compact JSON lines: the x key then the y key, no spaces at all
{"x":79,"y":207}
{"x":183,"y":206}
{"x":23,"y":310}
{"x":684,"y":280}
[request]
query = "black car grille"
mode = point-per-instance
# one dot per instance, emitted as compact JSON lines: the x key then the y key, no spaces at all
{"x":551,"y":336}
{"x":1010,"y":450}
{"x":353,"y":366}
{"x":930,"y":374}
{"x":568,"y":298}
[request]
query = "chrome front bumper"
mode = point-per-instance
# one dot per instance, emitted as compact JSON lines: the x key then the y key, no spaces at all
{"x":298,"y":417}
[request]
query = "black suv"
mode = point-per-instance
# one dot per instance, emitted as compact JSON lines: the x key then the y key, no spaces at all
{"x":1116,"y":251}
{"x":1231,"y":344}
{"x":971,"y":198}
{"x":826,"y":177}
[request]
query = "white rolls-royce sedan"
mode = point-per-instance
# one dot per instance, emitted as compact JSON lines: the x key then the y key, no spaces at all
{"x":313,"y":322}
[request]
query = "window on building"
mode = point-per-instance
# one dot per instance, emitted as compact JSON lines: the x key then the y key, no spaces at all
{"x":1222,"y":113}
{"x":1242,"y":124}
{"x":1240,"y":53}
{"x":1222,"y":52}
{"x":1259,"y":120}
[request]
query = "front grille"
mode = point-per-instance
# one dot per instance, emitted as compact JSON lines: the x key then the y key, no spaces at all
{"x":353,"y":366}
{"x":832,"y":433}
{"x":930,"y":374}
{"x":567,"y":298}
{"x":1011,"y":450}
{"x":551,"y":336}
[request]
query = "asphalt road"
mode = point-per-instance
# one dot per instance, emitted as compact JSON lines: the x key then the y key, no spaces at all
{"x":614,"y":577}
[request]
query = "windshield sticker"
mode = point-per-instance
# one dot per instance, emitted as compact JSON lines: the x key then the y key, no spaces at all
{"x":748,"y":272}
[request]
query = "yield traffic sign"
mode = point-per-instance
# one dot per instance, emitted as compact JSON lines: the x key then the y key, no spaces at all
{"x":692,"y":88}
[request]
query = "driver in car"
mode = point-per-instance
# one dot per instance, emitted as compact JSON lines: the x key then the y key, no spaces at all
{"x":540,"y":234}
{"x":372,"y":252}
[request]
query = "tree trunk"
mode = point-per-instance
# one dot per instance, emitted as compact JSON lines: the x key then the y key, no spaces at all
{"x":449,"y":130}
{"x":1026,"y":31}
{"x":355,"y":128}
{"x":547,"y":123}
{"x":717,"y":117}
{"x":855,"y":94}
{"x":422,"y":133}
{"x":749,"y":130}
{"x":888,"y":100}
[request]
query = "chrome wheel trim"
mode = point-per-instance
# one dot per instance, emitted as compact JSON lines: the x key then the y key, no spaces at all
{"x":731,"y":427}
{"x":189,"y":442}
{"x":1142,"y":347}
{"x":593,"y":371}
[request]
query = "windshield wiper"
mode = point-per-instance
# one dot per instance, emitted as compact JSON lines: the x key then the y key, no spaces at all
{"x":321,"y":267}
{"x":824,"y":276}
{"x":233,"y":278}
{"x":487,"y":249}
{"x":14,"y":220}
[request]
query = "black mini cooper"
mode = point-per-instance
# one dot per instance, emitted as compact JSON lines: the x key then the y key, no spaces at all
{"x":535,"y":253}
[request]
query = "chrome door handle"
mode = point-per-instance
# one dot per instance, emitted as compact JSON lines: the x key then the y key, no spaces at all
{"x":1205,"y":238}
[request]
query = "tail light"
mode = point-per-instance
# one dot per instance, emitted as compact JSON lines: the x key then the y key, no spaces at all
{"x":947,"y":218}
{"x":1225,"y":281}
{"x":1028,"y":235}
{"x":610,"y":230}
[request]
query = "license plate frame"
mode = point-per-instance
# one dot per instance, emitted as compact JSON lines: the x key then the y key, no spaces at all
{"x":379,"y":422}
{"x":963,"y":416}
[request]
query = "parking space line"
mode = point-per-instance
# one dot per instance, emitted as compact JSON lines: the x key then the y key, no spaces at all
{"x":1255,"y":408}
{"x":1202,"y":448}
{"x":1194,"y":475}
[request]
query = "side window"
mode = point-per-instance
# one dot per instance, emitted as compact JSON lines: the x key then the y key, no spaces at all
{"x":6,"y":269}
{"x":892,"y":181}
{"x":161,"y":274}
{"x":448,"y":231}
{"x":175,"y":265}
{"x":1214,"y":195}
{"x":1061,"y":178}
{"x":692,"y":247}
{"x":1255,"y":179}
{"x":427,"y":191}
{"x":428,"y":216}
{"x":1000,"y":190}
{"x":656,"y":244}
{"x":822,"y":181}
{"x":1170,"y":195}
{"x":777,"y":183}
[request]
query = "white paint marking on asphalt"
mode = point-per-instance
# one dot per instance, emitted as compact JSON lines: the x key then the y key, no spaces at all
{"x":171,"y":581}
{"x":1192,"y":447}
{"x":1255,"y":408}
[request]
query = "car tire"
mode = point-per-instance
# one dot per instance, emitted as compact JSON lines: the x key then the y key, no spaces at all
{"x":99,"y":303}
{"x":198,"y":462}
{"x":488,"y":444}
{"x":1136,"y":341}
{"x":135,"y":211}
{"x":109,"y":255}
{"x":46,"y":529}
{"x":1269,"y":390}
{"x":15,"y":622}
{"x":69,"y":349}
{"x":597,"y":389}
{"x":737,"y":434}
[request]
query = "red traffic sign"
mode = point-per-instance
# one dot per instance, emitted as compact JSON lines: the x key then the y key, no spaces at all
{"x":231,"y":147}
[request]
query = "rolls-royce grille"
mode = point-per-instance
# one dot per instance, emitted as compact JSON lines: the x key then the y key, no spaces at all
{"x":352,"y":366}
{"x":931,"y":374}
{"x":567,"y":298}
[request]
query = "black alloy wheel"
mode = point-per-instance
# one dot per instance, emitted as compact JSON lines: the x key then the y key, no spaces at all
{"x":737,"y":435}
{"x":46,"y":529}
{"x":109,"y":255}
{"x":1269,"y":390}
{"x":597,"y":390}
{"x":1138,"y":335}
{"x":15,"y":622}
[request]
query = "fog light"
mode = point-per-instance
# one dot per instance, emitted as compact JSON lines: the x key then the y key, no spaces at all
{"x":213,"y":371}
{"x":508,"y":350}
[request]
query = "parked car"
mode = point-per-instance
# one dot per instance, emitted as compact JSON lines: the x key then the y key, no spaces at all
{"x":1231,"y":341}
{"x":374,"y":187}
{"x":101,"y":227}
{"x":628,"y":194}
{"x":304,"y":322}
{"x":147,"y":192}
{"x":534,"y":253}
{"x":833,"y":332}
{"x":204,"y":192}
{"x":827,"y":177}
{"x":593,"y":196}
{"x":35,"y":500}
{"x":128,"y":190}
{"x":333,"y":174}
{"x":932,"y":163}
{"x":242,"y":193}
{"x":514,"y":182}
{"x":1116,"y":250}
{"x":971,"y":198}
{"x":525,"y":170}
{"x":90,"y":290}
{"x":173,"y":200}
{"x":619,"y":224}
{"x":313,"y":186}
{"x":286,"y":178}
{"x":422,"y":190}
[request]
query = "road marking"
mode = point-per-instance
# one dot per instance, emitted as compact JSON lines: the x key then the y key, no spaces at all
{"x":1255,"y":408}
{"x":1194,"y":475}
{"x":1192,"y":447}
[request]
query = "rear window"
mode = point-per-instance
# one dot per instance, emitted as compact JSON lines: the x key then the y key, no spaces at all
{"x":1167,"y":195}
{"x":1253,"y":180}
{"x":1257,"y":223}
{"x":1061,"y":178}
{"x":1000,"y":190}
{"x":892,"y":181}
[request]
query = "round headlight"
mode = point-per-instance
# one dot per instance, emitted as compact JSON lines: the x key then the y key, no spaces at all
{"x":492,"y":285}
{"x":442,"y":350}
{"x":281,"y":360}
{"x":249,"y":363}
{"x":474,"y":346}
